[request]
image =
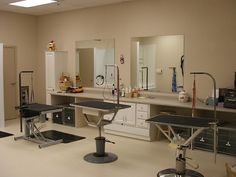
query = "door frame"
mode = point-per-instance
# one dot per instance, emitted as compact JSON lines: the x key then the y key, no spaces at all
{"x":16,"y":69}
{"x":2,"y":114}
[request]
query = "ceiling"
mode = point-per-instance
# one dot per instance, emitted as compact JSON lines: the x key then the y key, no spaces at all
{"x":62,"y":5}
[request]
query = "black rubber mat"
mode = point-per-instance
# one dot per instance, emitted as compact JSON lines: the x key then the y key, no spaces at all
{"x":4,"y":134}
{"x":56,"y":135}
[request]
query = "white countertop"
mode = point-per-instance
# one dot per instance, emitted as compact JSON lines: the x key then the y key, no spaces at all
{"x":163,"y":99}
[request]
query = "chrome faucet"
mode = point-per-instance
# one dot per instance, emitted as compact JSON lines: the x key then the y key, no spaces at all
{"x":214,"y":87}
{"x":117,"y":79}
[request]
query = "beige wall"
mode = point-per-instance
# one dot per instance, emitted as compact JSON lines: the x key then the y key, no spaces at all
{"x":208,"y":25}
{"x":20,"y":31}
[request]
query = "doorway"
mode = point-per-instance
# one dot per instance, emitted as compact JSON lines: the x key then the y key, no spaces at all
{"x":10,"y":87}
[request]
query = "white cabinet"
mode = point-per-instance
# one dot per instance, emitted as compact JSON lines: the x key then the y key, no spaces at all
{"x":55,"y":65}
{"x":143,"y":113}
{"x":131,"y":122}
{"x":124,"y":116}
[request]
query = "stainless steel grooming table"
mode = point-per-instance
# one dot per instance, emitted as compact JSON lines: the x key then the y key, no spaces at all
{"x":197,"y":123}
{"x":32,"y":114}
{"x":99,"y":109}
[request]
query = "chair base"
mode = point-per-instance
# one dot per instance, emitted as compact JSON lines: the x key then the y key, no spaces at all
{"x":106,"y":158}
{"x":171,"y":172}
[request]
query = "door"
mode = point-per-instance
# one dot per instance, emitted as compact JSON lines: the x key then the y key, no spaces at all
{"x":9,"y":70}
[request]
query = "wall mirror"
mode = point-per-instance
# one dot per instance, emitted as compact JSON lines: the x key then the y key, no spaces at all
{"x":157,"y":63}
{"x":91,"y":58}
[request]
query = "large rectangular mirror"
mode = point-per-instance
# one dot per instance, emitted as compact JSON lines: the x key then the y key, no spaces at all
{"x":91,"y":58}
{"x":157,"y":63}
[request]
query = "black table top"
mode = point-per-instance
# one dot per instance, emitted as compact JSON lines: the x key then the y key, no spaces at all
{"x":100,"y":105}
{"x":39,"y":107}
{"x":181,"y":121}
{"x":35,"y":109}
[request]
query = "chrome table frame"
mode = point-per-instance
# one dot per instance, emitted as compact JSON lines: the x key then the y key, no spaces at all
{"x":197,"y":123}
{"x":99,"y":109}
{"x":31,"y":131}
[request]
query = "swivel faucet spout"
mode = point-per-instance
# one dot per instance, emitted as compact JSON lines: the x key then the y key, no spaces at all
{"x":214,"y":87}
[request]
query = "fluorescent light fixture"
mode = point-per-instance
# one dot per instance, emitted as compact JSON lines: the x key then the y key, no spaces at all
{"x":32,"y":3}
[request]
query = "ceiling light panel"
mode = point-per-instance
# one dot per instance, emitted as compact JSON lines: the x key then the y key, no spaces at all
{"x":32,"y":3}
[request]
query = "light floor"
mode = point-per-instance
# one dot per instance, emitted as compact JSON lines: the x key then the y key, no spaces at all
{"x":136,"y":158}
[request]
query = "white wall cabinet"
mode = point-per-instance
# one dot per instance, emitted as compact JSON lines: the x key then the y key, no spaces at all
{"x":55,"y":65}
{"x":131,"y":122}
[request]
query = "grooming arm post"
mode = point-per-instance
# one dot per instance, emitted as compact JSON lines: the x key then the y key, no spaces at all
{"x":20,"y":93}
{"x":194,"y":135}
{"x":214,"y":106}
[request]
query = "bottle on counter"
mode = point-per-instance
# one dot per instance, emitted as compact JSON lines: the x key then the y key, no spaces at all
{"x":122,"y":90}
{"x":128,"y":93}
{"x":113,"y":90}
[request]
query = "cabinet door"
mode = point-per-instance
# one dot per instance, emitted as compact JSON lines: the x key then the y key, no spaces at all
{"x":124,"y":116}
{"x":118,"y":119}
{"x":127,"y":115}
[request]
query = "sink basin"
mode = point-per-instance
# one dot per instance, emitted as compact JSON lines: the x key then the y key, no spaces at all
{"x":142,"y":97}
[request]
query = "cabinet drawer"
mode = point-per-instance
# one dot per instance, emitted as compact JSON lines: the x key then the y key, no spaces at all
{"x":57,"y":117}
{"x":227,"y":150}
{"x":141,"y":123}
{"x":142,"y":107}
{"x":69,"y":120}
{"x":142,"y":115}
{"x":69,"y":116}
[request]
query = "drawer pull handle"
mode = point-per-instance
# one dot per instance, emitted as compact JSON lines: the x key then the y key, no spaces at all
{"x":202,"y":139}
{"x":228,"y":144}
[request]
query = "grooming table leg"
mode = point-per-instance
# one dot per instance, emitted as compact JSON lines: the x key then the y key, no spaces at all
{"x":18,"y":138}
{"x":173,"y":132}
{"x":164,"y":133}
{"x":49,"y":143}
{"x":100,"y":156}
{"x":33,"y":134}
{"x":215,"y":130}
{"x":27,"y":131}
{"x":194,"y":135}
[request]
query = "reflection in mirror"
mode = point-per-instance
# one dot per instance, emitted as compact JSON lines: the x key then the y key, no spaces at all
{"x":157,"y":63}
{"x":91,"y":58}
